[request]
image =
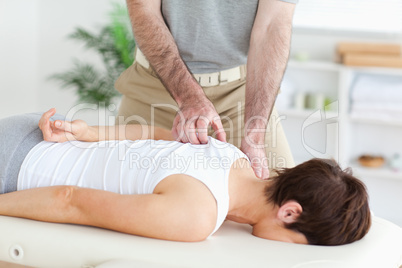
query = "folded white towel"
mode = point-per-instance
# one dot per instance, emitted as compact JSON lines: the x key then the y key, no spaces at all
{"x":377,"y":88}
{"x":378,"y":115}
{"x":378,"y":106}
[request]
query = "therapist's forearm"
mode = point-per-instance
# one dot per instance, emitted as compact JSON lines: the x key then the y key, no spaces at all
{"x":156,"y":42}
{"x":267,"y":60}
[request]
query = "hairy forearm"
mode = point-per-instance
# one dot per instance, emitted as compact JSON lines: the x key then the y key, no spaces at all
{"x":156,"y":42}
{"x":267,"y":60}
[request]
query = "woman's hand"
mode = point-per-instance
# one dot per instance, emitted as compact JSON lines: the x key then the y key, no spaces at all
{"x":61,"y":131}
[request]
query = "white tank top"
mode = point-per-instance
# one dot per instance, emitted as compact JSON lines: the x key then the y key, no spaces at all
{"x":130,"y":167}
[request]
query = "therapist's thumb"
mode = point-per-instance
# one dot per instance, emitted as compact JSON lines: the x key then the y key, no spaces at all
{"x":219,"y":130}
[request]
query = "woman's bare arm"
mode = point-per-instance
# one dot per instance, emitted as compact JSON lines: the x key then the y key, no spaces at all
{"x":127,"y":132}
{"x":162,"y":216}
{"x":61,"y":131}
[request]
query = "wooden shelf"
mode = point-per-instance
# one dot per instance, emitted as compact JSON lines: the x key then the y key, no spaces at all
{"x":378,"y":173}
{"x":365,"y":172}
{"x":315,"y":65}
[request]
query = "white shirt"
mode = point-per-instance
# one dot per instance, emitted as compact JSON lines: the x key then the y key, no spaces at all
{"x":130,"y":167}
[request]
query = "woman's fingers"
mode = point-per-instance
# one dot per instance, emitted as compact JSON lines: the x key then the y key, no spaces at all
{"x":47,"y":132}
{"x":44,"y":120}
{"x":49,"y":113}
{"x":45,"y":125}
{"x":70,"y":131}
{"x":60,"y":130}
{"x":54,"y":131}
{"x":64,"y":125}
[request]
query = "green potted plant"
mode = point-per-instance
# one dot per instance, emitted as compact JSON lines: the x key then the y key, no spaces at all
{"x":115,"y":45}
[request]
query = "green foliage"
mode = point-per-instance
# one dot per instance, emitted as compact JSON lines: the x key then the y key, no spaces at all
{"x":115,"y":45}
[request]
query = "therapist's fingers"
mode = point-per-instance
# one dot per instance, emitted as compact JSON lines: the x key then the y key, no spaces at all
{"x":202,"y":129}
{"x":265,"y":172}
{"x":190,"y":130}
{"x":218,"y":128}
{"x":261,"y":169}
{"x":175,"y":135}
{"x":177,"y":127}
{"x":180,"y":131}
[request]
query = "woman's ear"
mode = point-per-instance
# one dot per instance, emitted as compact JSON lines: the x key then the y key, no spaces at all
{"x":289,"y":212}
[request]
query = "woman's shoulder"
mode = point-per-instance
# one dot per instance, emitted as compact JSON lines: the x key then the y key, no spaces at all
{"x":192,"y":198}
{"x":226,"y":148}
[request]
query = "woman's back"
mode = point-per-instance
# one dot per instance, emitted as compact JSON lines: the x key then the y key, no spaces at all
{"x":132,"y":167}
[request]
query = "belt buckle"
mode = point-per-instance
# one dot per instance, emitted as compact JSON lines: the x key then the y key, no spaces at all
{"x":204,"y":81}
{"x":222,"y":81}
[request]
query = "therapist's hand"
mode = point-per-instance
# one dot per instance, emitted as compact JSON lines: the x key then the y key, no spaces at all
{"x":193,"y":120}
{"x":61,"y":131}
{"x":258,"y":158}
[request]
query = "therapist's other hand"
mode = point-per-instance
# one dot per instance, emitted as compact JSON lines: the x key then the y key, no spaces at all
{"x":193,"y":120}
{"x":61,"y":131}
{"x":258,"y":158}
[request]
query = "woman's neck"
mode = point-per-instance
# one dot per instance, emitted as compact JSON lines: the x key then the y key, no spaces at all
{"x":247,"y":196}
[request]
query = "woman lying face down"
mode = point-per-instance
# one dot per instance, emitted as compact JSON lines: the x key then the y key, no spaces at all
{"x":78,"y":175}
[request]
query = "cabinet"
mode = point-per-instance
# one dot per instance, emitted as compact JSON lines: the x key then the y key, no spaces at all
{"x":334,"y":132}
{"x":337,"y":133}
{"x":312,"y":132}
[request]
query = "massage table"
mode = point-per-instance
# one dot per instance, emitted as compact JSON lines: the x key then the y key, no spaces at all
{"x":41,"y":244}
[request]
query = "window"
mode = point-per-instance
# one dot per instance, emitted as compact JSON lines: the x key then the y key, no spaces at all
{"x":376,"y":16}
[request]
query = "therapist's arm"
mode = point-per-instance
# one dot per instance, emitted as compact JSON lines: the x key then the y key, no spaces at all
{"x":61,"y":131}
{"x":196,"y":112}
{"x":156,"y":42}
{"x":266,"y":64}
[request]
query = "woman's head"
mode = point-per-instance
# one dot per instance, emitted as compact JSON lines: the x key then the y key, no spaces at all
{"x":335,"y":208}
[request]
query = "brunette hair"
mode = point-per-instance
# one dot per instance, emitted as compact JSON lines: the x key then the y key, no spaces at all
{"x":335,"y":204}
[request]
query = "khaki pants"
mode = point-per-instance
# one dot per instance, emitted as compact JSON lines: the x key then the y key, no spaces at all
{"x":146,"y":101}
